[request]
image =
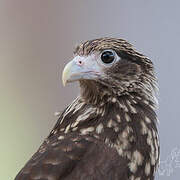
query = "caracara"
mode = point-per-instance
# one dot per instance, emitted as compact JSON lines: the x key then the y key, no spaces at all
{"x":109,"y":131}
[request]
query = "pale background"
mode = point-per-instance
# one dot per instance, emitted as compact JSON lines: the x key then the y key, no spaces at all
{"x":36,"y":41}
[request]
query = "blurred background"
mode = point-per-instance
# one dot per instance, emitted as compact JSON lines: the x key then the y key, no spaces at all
{"x":36,"y":41}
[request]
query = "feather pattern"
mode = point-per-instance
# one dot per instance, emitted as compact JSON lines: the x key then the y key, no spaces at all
{"x":109,"y":131}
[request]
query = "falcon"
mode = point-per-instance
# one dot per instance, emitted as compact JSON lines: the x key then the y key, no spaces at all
{"x":109,"y":132}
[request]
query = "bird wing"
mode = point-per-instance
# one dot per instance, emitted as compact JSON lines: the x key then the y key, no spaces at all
{"x":74,"y":157}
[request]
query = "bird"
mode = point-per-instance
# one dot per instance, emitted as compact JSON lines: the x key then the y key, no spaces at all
{"x":110,"y":131}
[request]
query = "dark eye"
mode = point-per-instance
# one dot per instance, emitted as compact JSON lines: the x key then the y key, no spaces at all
{"x":107,"y":57}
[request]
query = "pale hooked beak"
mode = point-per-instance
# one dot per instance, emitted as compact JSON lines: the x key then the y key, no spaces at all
{"x":80,"y":68}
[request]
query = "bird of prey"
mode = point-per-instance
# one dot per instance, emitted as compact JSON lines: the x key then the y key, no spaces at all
{"x":109,"y":132}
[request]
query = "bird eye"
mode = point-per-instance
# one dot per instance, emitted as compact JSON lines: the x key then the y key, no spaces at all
{"x":107,"y":57}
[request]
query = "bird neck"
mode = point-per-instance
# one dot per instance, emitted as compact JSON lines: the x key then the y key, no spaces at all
{"x":98,"y":103}
{"x":100,"y":95}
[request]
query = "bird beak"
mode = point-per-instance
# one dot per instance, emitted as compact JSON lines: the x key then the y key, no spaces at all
{"x":69,"y":72}
{"x":80,"y":68}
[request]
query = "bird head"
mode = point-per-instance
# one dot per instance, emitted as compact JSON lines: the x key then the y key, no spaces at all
{"x":110,"y":66}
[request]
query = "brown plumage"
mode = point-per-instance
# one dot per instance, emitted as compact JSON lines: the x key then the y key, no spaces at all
{"x":109,"y":131}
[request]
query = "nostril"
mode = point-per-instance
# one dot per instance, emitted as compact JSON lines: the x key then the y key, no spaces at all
{"x":79,"y":62}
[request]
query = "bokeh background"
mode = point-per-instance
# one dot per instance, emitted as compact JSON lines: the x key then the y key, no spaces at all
{"x":37,"y":38}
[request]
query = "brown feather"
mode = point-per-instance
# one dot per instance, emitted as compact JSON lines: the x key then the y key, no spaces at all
{"x":109,"y":131}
